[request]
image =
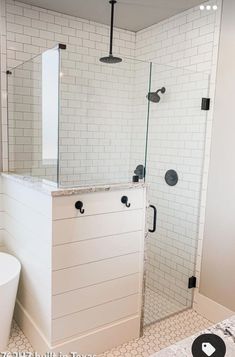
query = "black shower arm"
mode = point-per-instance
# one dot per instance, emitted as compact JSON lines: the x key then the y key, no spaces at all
{"x":112,"y":2}
{"x":161,"y":90}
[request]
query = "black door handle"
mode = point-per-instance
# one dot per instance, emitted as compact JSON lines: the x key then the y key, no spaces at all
{"x":79,"y":206}
{"x":154,"y":219}
{"x":124,"y":200}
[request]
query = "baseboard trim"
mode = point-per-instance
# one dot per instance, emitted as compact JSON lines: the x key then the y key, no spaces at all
{"x":30,"y":329}
{"x":94,"y":342}
{"x":102,"y":340}
{"x":210,"y":309}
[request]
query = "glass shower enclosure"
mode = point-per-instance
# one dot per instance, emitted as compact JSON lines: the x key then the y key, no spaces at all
{"x":77,"y":123}
{"x":74,"y":121}
{"x":33,"y":117}
{"x":103,"y":119}
{"x":175,"y":157}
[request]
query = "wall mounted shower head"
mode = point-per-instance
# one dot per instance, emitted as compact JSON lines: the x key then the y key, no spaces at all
{"x":154,"y":96}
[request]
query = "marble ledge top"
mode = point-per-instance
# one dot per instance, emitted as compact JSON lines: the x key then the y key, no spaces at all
{"x":50,"y":188}
{"x":225,"y":329}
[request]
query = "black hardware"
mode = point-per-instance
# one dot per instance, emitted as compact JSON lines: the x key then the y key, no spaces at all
{"x":154,"y":219}
{"x":8,"y":72}
{"x":110,"y":58}
{"x":135,"y":178}
{"x":124,"y":200}
{"x":62,"y":46}
{"x":112,"y":2}
{"x":140,"y":171}
{"x":171,"y":177}
{"x":205,"y":104}
{"x":154,"y":96}
{"x":192,"y":282}
{"x":79,"y":205}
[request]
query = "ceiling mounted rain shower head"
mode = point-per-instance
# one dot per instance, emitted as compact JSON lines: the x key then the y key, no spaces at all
{"x":154,"y":96}
{"x":110,"y":58}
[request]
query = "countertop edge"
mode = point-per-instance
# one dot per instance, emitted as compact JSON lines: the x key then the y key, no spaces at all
{"x":50,"y":189}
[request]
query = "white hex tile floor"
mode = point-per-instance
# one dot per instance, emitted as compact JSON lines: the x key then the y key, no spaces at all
{"x":18,"y":342}
{"x":158,"y":306}
{"x":156,"y":336}
{"x":162,"y":334}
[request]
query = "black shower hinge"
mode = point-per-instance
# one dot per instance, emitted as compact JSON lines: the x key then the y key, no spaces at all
{"x":8,"y":72}
{"x":62,"y":46}
{"x":206,"y":103}
{"x":192,"y":282}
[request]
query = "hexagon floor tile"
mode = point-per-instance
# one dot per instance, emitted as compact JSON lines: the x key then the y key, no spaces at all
{"x":158,"y":306}
{"x":156,"y":337}
{"x":162,"y":334}
{"x":18,"y":342}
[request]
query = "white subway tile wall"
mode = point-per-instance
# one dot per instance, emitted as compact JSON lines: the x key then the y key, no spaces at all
{"x":97,"y":136}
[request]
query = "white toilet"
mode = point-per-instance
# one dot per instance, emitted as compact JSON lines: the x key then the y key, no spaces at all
{"x":9,"y":279}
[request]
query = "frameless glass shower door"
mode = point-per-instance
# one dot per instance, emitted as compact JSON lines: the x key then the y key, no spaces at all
{"x":175,"y":155}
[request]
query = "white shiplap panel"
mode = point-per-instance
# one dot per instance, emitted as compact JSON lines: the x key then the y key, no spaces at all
{"x":2,"y":239}
{"x":1,"y":202}
{"x":77,"y":229}
{"x":1,"y":185}
{"x":94,"y":273}
{"x":96,"y":203}
{"x":28,"y":218}
{"x":90,"y":319}
{"x":104,"y":338}
{"x":33,"y":199}
{"x":72,"y":254}
{"x":28,"y":237}
{"x":34,"y":242}
{"x":81,"y":299}
{"x":35,"y":272}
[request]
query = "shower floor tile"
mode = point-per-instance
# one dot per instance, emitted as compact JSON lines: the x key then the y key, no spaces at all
{"x":156,"y":337}
{"x":159,"y":306}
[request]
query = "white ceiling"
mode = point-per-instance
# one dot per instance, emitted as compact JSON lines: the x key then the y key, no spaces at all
{"x":133,"y":15}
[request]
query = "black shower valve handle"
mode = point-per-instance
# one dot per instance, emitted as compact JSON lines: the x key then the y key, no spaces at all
{"x":124,"y":200}
{"x":79,"y":206}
